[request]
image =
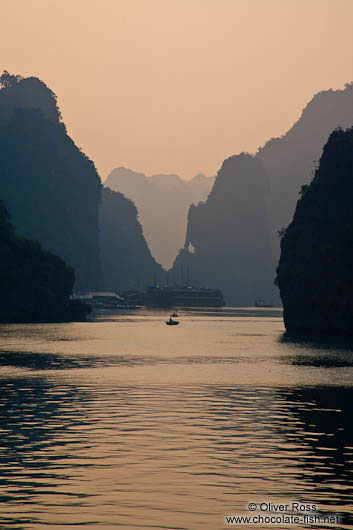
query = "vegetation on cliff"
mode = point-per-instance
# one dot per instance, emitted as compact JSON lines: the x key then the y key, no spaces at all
{"x":315,"y":268}
{"x":35,"y":285}
{"x":50,"y":187}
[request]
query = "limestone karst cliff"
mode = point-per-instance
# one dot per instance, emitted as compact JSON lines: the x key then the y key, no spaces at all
{"x":127,"y":262}
{"x":35,"y":285}
{"x":54,"y":193}
{"x":162,"y":202}
{"x":48,"y":184}
{"x":315,"y":269}
{"x":290,"y":160}
{"x":227,"y":241}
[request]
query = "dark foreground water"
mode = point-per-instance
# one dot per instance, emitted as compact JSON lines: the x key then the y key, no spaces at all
{"x":127,"y":423}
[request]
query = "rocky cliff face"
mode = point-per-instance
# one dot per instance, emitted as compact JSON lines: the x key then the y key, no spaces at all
{"x":227,"y":242}
{"x":126,"y":260}
{"x":35,"y":285}
{"x":26,"y":93}
{"x":290,"y":160}
{"x":162,"y":202}
{"x":50,"y":187}
{"x":315,"y":269}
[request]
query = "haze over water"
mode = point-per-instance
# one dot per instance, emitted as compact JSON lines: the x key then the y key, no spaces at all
{"x":124,"y":422}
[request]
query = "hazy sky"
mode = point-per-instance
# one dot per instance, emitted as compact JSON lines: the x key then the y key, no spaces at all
{"x":178,"y":85}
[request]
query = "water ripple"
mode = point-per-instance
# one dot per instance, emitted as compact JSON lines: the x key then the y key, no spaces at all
{"x":81,"y":446}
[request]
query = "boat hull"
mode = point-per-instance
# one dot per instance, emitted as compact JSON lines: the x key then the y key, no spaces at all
{"x":182,"y":297}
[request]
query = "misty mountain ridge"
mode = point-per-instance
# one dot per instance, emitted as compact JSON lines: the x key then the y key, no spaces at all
{"x":162,"y":201}
{"x":54,"y":194}
{"x":290,"y":160}
{"x":167,"y":181}
{"x":127,"y":262}
{"x":221,"y":238}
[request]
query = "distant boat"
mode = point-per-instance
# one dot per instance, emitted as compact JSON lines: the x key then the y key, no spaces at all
{"x":187,"y":296}
{"x":104,"y":300}
{"x":172,"y":322}
{"x":174,"y":315}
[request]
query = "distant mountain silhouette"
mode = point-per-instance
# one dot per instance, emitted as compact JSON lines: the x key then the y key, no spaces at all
{"x":315,"y":268}
{"x":201,"y":186}
{"x":290,"y":160}
{"x":50,"y":187}
{"x":127,"y":262}
{"x":162,"y":202}
{"x":222,"y":229}
{"x":35,"y":285}
{"x":168,"y":181}
{"x":53,"y":192}
{"x":227,"y":242}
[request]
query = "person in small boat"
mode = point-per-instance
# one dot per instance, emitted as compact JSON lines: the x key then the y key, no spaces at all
{"x":170,"y":320}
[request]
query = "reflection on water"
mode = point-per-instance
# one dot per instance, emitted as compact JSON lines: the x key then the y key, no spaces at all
{"x":128,"y":424}
{"x":325,"y":418}
{"x":32,"y":416}
{"x":329,"y":352}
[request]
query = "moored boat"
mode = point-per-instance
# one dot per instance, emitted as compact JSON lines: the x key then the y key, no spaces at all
{"x":188,"y":296}
{"x":172,"y":322}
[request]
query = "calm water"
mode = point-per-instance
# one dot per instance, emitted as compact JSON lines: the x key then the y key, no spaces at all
{"x":125,"y":422}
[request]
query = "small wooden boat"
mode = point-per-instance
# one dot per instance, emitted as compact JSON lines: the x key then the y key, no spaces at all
{"x":172,"y":322}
